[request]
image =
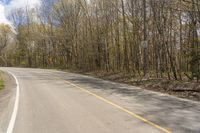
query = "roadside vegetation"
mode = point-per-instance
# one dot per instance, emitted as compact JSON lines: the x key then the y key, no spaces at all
{"x":134,"y":40}
{"x":1,"y":82}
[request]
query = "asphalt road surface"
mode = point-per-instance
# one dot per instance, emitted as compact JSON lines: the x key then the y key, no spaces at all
{"x":48,"y":101}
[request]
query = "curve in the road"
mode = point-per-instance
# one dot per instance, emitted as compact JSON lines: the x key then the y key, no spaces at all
{"x":15,"y":110}
{"x":16,"y":105}
{"x":120,"y":108}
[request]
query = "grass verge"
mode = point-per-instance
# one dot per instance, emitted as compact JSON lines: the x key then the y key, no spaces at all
{"x":1,"y":81}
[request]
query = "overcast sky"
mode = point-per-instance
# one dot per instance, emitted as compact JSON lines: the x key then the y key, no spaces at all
{"x":8,"y":5}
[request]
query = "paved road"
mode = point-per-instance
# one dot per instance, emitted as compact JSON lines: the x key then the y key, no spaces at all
{"x":57,"y":102}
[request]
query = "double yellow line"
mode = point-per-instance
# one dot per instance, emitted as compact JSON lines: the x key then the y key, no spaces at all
{"x":120,"y":108}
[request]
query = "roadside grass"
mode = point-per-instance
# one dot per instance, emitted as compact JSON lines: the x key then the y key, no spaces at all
{"x":1,"y":84}
{"x":1,"y":81}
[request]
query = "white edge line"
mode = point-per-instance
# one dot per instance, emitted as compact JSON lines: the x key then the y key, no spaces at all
{"x":16,"y":105}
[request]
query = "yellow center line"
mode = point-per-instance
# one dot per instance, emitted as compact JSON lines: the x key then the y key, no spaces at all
{"x":120,"y":108}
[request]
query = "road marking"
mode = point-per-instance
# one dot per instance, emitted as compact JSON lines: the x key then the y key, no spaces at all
{"x":14,"y":114}
{"x":120,"y":108}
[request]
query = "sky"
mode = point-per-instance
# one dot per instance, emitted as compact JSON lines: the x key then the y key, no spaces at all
{"x":9,"y":5}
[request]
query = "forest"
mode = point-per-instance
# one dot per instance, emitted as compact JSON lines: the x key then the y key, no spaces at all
{"x":141,"y":38}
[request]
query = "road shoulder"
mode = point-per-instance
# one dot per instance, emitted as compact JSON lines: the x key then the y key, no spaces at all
{"x":189,"y":90}
{"x":7,"y":98}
